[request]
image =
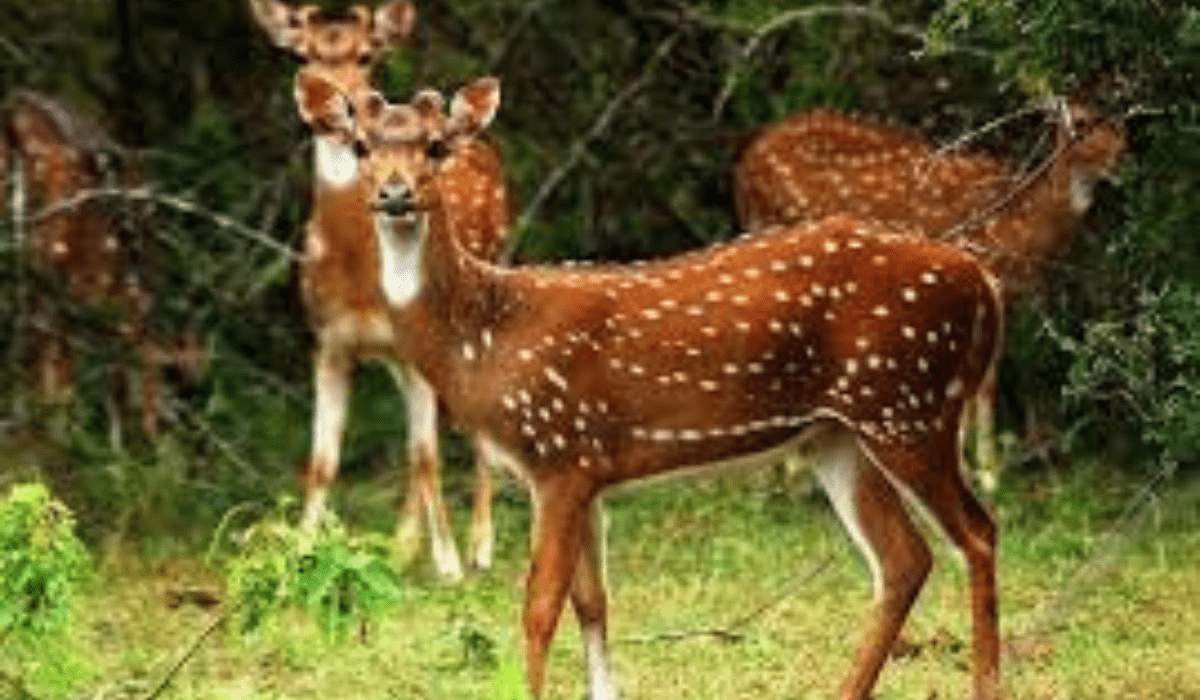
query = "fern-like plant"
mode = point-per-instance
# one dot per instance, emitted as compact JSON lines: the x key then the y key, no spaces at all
{"x":340,"y":578}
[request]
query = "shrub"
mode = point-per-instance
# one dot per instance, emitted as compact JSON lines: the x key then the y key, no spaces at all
{"x":40,"y":560}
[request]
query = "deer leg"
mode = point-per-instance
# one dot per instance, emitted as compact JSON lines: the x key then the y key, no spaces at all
{"x":591,"y":606}
{"x":331,"y":384}
{"x":55,"y":381}
{"x":983,"y":407}
{"x":934,"y":478}
{"x":896,"y":553}
{"x":483,"y":536}
{"x":560,"y":527}
{"x":425,"y":483}
{"x":117,"y":400}
{"x":152,"y":387}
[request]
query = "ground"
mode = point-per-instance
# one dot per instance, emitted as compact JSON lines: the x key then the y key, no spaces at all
{"x":732,"y":589}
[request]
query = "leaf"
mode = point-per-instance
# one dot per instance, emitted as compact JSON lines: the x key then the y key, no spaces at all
{"x":317,"y":581}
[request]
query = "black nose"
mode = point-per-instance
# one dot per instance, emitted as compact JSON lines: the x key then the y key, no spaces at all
{"x":395,"y":201}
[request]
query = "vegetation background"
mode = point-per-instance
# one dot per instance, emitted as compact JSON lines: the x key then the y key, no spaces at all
{"x":618,"y":126}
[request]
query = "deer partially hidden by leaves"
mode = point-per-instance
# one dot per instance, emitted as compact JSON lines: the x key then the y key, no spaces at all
{"x":857,"y":342}
{"x":821,"y":162}
{"x":340,"y":270}
{"x":82,"y":260}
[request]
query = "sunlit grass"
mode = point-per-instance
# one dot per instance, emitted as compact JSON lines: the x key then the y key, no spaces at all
{"x":719,"y":590}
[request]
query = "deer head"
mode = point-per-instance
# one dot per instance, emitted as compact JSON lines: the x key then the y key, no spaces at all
{"x":346,"y":47}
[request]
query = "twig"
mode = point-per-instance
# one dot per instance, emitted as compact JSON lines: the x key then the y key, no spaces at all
{"x":217,"y":621}
{"x":994,"y":124}
{"x":579,"y":148}
{"x":999,"y":203}
{"x":146,"y":194}
{"x":13,"y":49}
{"x":760,"y":33}
{"x":1057,"y":605}
{"x":514,"y":31}
{"x":730,"y":631}
{"x":223,"y":445}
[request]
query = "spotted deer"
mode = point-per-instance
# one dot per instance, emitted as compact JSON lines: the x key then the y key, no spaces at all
{"x":822,"y":162}
{"x":81,"y":260}
{"x":340,"y":275}
{"x":856,"y":341}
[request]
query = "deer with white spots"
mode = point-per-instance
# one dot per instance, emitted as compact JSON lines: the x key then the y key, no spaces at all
{"x":841,"y":337}
{"x":57,"y":156}
{"x":821,"y":162}
{"x":340,"y":276}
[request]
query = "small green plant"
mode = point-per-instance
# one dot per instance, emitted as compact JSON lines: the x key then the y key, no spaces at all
{"x":40,"y":560}
{"x":341,"y":579}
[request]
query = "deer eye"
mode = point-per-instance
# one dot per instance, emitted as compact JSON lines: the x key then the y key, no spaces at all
{"x":364,"y":59}
{"x":437,"y":150}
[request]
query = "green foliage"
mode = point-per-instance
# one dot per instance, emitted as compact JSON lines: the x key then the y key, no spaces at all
{"x":340,"y":579}
{"x":40,"y":561}
{"x":1126,"y":322}
{"x":1147,"y":368}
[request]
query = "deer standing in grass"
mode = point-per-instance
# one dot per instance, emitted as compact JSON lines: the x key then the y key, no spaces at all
{"x":340,"y":277}
{"x":819,"y":163}
{"x":59,"y":154}
{"x":849,"y":339}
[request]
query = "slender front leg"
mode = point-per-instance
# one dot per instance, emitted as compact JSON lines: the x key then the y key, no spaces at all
{"x":331,"y":384}
{"x":591,"y":605}
{"x":560,"y":526}
{"x":483,"y":536}
{"x":425,"y":484}
{"x":151,"y":387}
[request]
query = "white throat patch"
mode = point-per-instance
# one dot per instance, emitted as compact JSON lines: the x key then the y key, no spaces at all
{"x":1083,"y":184}
{"x":400,"y":258}
{"x":335,"y":162}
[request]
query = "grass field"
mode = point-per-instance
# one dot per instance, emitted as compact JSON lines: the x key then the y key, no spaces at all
{"x":719,"y":590}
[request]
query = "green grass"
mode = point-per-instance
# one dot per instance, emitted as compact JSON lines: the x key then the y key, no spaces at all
{"x":1085,"y":615}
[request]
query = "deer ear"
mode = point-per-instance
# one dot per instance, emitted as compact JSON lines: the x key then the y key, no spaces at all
{"x":324,"y":107}
{"x":284,"y":25}
{"x":393,"y":23}
{"x":474,"y":106}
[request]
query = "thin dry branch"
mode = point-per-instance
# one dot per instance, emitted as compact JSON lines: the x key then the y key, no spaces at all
{"x":218,"y":620}
{"x":730,"y":632}
{"x":579,"y":148}
{"x":147,"y":194}
{"x":760,"y":33}
{"x":514,"y":31}
{"x":979,"y":217}
{"x":1056,"y":607}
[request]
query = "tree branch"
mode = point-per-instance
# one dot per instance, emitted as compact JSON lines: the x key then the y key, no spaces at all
{"x":759,"y":33}
{"x":217,"y":621}
{"x":730,"y":632}
{"x":146,"y":194}
{"x":579,"y":148}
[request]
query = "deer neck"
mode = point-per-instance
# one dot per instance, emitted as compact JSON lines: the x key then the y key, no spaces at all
{"x":340,"y":270}
{"x":452,"y":307}
{"x":341,"y":213}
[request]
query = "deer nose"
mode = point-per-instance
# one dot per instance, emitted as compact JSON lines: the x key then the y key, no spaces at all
{"x":395,"y":200}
